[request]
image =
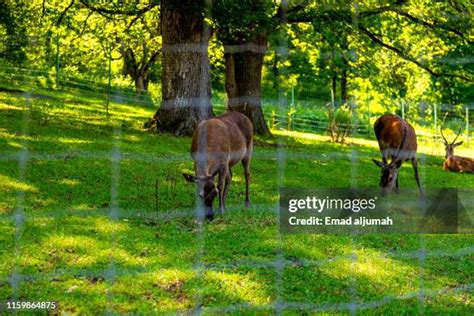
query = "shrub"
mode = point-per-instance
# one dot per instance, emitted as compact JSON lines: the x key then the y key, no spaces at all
{"x":340,"y":123}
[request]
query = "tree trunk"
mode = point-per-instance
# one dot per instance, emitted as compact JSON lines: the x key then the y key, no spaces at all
{"x":276,"y":73}
{"x":344,"y":86}
{"x":141,"y":83}
{"x":334,"y":89}
{"x":244,"y":62}
{"x":345,"y":69}
{"x":186,"y":88}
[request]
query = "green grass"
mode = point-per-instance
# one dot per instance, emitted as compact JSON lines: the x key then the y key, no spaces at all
{"x":163,"y":261}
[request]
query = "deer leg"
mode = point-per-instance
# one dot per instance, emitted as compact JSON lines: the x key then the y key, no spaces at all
{"x":414,"y":163}
{"x":246,"y":164}
{"x":221,"y":186}
{"x":397,"y":189}
{"x":228,"y":180}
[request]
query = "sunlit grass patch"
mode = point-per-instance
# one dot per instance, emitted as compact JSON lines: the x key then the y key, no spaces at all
{"x":315,"y":247}
{"x":162,"y":243}
{"x":163,"y":290}
{"x":252,"y":286}
{"x":375,"y":275}
{"x":92,"y":178}
{"x":7,"y":249}
{"x":78,"y":294}
{"x":448,"y":271}
{"x":59,"y":251}
{"x":443,"y":302}
{"x":10,"y":184}
{"x":237,"y":238}
{"x":309,"y":284}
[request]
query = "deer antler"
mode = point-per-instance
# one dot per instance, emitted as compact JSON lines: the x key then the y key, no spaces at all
{"x":457,"y":135}
{"x":442,"y":135}
{"x":441,"y":130}
{"x":442,"y":127}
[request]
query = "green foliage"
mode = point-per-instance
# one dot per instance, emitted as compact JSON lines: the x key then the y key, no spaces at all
{"x":241,"y":21}
{"x":13,"y":40}
{"x":329,"y":45}
{"x":340,"y":123}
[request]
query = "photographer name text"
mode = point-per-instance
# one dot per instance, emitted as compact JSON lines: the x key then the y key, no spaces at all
{"x":319,"y":205}
{"x":330,"y":221}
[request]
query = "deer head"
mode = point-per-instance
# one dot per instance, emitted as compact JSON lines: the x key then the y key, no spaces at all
{"x":449,"y":147}
{"x":389,"y":174}
{"x":389,"y":171}
{"x":207,"y":192}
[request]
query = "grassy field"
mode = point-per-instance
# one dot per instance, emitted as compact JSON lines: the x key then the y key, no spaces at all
{"x":94,"y":214}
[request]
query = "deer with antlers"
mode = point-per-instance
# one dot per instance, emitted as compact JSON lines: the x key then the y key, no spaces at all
{"x":397,"y":139}
{"x":455,"y":163}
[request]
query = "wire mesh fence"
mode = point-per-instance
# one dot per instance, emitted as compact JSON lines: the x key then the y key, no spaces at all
{"x":31,"y":80}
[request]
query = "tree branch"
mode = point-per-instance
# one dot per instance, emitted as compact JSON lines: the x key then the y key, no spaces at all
{"x":400,"y":53}
{"x":105,"y":11}
{"x":43,"y":8}
{"x":397,"y":10}
{"x":327,"y":15}
{"x":425,"y":23}
{"x":376,"y":11}
{"x":135,"y":19}
{"x":84,"y":27}
{"x":63,"y":14}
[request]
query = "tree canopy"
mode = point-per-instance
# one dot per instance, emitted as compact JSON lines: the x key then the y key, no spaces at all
{"x":375,"y":53}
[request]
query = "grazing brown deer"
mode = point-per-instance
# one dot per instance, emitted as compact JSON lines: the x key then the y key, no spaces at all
{"x":218,"y":144}
{"x":397,"y":139}
{"x":456,"y":163}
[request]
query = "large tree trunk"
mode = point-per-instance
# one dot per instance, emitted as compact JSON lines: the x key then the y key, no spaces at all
{"x":334,"y":89}
{"x":244,"y":63}
{"x":186,"y":88}
{"x":345,"y":49}
{"x":344,"y":86}
{"x":141,"y":83}
{"x":276,"y":73}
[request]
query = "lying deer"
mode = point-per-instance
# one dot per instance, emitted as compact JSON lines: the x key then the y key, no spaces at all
{"x":218,"y":144}
{"x":397,"y":139}
{"x":456,"y":163}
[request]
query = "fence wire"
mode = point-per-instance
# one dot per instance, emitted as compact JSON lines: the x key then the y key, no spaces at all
{"x":115,"y":211}
{"x":284,"y":120}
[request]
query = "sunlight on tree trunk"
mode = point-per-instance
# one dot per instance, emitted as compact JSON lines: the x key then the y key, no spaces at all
{"x":186,"y":88}
{"x":244,"y":64}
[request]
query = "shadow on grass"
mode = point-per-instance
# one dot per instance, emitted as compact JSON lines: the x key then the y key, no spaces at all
{"x":135,"y":265}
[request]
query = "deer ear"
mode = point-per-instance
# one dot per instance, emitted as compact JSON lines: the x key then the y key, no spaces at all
{"x":378,"y":163}
{"x":189,"y":177}
{"x":457,"y":144}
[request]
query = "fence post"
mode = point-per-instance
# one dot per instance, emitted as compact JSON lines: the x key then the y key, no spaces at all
{"x":110,"y":77}
{"x":57,"y":61}
{"x":403,"y":109}
{"x":332,"y":98}
{"x":292,"y":95}
{"x":435,"y":113}
{"x":467,"y":125}
{"x":368,"y":111}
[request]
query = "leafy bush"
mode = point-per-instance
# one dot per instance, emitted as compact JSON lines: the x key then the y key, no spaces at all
{"x":340,"y":123}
